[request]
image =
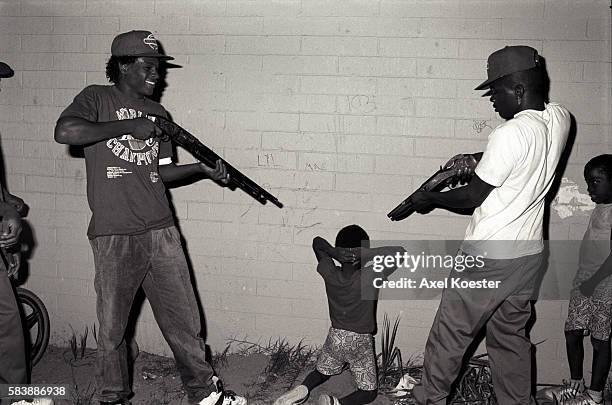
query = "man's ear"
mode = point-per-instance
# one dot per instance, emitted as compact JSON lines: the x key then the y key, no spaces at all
{"x":519,"y":90}
{"x":123,"y":67}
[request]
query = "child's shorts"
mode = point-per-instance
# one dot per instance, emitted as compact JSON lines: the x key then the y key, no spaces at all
{"x":356,"y":349}
{"x":590,"y":315}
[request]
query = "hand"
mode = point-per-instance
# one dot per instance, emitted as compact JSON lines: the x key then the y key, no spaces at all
{"x":10,"y":229}
{"x":347,"y":255}
{"x":420,"y":202}
{"x":587,"y":288}
{"x":143,"y":128}
{"x":14,"y":262}
{"x":16,"y":202}
{"x":218,"y":173}
{"x":464,"y":164}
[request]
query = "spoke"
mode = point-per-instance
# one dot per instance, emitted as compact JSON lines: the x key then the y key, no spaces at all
{"x":32,"y":319}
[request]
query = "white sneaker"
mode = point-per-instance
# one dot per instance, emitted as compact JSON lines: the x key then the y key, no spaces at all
{"x":296,"y":396}
{"x":223,"y":398}
{"x":581,"y":399}
{"x":563,"y":392}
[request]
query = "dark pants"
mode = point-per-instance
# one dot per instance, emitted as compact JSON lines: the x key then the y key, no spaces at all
{"x":504,"y":312}
{"x":13,"y":365}
{"x":155,"y":261}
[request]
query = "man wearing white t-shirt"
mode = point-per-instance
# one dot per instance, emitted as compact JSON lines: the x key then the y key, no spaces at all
{"x":507,"y":190}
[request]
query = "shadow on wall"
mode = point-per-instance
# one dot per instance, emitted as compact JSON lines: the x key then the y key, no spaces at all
{"x":28,"y":235}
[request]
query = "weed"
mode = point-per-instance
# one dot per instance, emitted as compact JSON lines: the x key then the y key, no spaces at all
{"x":390,"y":365}
{"x":475,"y":386}
{"x":286,"y":363}
{"x":219,"y":360}
{"x":78,"y":349}
{"x":83,"y":339}
{"x":79,"y":395}
{"x":94,"y":333}
{"x":73,"y":345}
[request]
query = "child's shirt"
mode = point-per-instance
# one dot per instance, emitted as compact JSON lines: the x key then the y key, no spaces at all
{"x":348,"y":309}
{"x":595,"y":249}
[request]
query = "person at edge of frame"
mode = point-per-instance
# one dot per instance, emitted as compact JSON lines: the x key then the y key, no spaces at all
{"x":132,"y":232}
{"x":13,"y":360}
{"x":507,"y":190}
{"x":590,"y":306}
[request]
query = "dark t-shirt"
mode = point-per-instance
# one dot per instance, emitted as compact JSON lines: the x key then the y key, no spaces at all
{"x":348,"y":307}
{"x":125,"y":192}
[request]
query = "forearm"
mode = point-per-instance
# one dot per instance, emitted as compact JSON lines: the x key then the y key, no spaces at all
{"x":603,"y":272}
{"x":456,"y":198}
{"x":470,"y":196}
{"x":78,"y":131}
{"x":172,"y":172}
{"x":322,"y":247}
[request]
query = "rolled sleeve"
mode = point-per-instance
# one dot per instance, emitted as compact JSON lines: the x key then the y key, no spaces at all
{"x":498,"y":159}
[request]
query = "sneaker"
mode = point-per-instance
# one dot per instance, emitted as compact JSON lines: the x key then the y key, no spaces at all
{"x":37,"y":401}
{"x":581,"y":399}
{"x":562,"y":392}
{"x":223,"y":398}
{"x":325,"y":399}
{"x":296,"y":396}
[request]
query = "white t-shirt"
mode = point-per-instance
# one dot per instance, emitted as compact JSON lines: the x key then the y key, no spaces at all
{"x":520,"y":161}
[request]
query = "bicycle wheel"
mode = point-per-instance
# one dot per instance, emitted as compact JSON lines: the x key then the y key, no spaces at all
{"x":36,"y":323}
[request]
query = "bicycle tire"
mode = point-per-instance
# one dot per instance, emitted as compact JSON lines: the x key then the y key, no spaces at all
{"x":35,"y":315}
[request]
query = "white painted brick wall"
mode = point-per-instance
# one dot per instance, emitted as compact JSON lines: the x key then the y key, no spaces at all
{"x":341,"y":108}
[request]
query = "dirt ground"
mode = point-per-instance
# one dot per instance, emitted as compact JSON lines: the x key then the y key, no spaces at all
{"x":156,"y":381}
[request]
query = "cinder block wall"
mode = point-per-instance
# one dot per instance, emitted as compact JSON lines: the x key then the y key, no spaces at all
{"x":339,"y":107}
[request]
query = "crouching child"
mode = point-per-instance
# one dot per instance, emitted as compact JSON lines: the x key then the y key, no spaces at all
{"x":353,"y":318}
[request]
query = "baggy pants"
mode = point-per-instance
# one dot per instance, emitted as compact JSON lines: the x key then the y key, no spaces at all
{"x":13,"y":364}
{"x":154,"y":260}
{"x":504,"y":312}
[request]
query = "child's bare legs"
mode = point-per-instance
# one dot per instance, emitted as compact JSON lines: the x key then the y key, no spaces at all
{"x":314,"y":379}
{"x":575,"y":352}
{"x":602,"y":355}
{"x":359,"y":397}
{"x":601,"y":364}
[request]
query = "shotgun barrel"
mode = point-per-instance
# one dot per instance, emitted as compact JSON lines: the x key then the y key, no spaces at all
{"x":205,"y":155}
{"x":440,"y":179}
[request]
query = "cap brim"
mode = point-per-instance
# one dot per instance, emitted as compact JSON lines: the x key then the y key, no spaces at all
{"x":150,"y":55}
{"x":5,"y":70}
{"x":485,"y":84}
{"x":158,"y":56}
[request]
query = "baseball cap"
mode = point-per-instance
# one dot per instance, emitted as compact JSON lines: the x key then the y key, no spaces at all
{"x":137,"y":43}
{"x":5,"y":70}
{"x":508,"y":60}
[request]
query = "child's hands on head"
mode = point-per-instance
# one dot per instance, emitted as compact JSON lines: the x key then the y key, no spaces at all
{"x":347,"y":255}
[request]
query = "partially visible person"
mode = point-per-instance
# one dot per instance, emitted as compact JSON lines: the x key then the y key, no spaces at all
{"x":353,"y":318}
{"x":507,"y":190}
{"x":13,"y":360}
{"x":132,"y":231}
{"x":590,"y":306}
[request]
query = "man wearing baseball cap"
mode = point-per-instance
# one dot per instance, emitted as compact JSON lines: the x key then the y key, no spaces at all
{"x":507,"y":189}
{"x":132,"y":232}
